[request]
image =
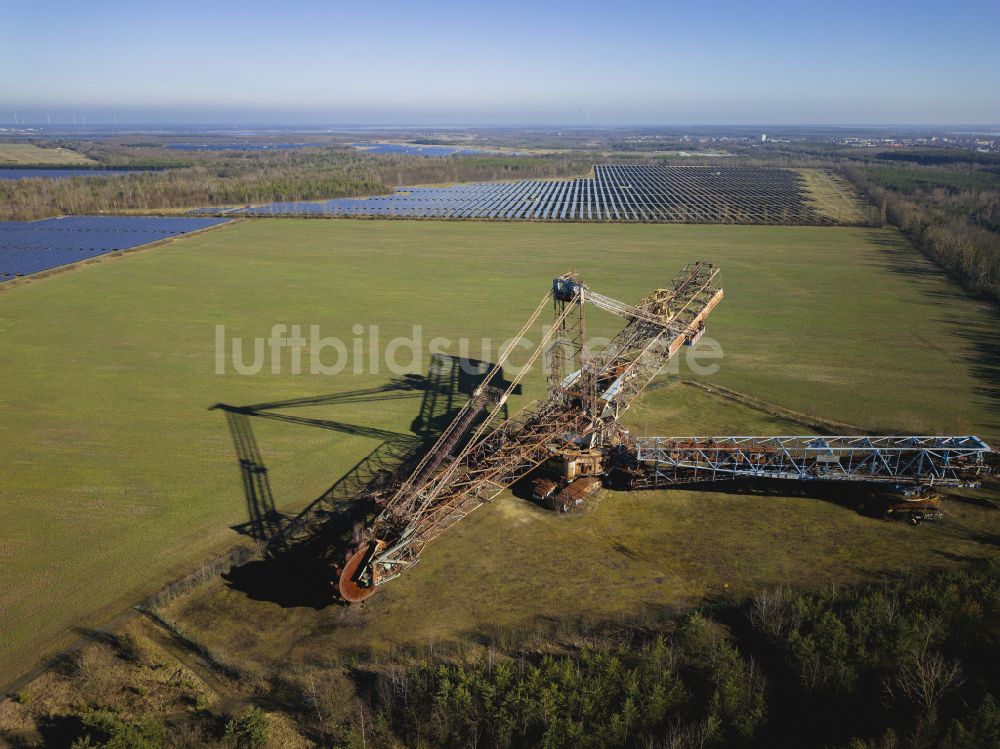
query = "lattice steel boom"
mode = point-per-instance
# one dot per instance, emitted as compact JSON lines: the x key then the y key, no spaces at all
{"x":576,"y":432}
{"x":476,"y":458}
{"x":940,"y":461}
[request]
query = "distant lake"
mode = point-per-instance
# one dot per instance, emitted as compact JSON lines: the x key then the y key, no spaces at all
{"x":415,"y":149}
{"x":61,"y":173}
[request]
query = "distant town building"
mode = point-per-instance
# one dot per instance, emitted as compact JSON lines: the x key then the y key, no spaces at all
{"x":763,"y":137}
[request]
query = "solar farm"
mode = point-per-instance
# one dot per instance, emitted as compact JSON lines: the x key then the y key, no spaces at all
{"x":652,"y":194}
{"x":35,"y":246}
{"x":134,"y":461}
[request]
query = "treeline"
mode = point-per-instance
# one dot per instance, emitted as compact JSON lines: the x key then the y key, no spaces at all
{"x":908,"y":664}
{"x":261,"y":177}
{"x":953,"y":220}
{"x":914,"y":179}
{"x":695,"y":688}
{"x":206,"y":183}
{"x":939,"y":156}
{"x":417,"y":170}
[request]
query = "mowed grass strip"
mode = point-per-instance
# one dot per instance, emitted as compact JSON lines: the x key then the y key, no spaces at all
{"x":28,"y":153}
{"x":119,"y":476}
{"x":835,"y":197}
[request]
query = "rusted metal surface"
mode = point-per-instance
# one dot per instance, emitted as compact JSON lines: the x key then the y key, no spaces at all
{"x":350,"y":589}
{"x":577,"y":428}
{"x":469,"y":465}
{"x":893,"y":459}
{"x":575,"y":493}
{"x":543,"y":489}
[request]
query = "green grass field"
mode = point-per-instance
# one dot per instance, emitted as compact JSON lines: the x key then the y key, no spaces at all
{"x":26,"y":153}
{"x":119,"y":476}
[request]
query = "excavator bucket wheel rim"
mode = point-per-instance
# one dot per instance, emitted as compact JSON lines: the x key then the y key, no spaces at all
{"x":350,"y":591}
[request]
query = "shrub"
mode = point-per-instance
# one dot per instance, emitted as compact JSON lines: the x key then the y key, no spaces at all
{"x":248,"y":731}
{"x":104,"y":729}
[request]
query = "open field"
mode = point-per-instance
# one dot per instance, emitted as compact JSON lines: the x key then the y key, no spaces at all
{"x":123,"y":476}
{"x":26,"y":153}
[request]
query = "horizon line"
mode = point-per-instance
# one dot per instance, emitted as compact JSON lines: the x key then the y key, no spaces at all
{"x":44,"y":124}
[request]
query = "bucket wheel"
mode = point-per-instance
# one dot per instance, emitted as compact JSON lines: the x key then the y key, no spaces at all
{"x":351,"y":588}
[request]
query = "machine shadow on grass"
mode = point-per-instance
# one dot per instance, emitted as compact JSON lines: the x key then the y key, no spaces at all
{"x":865,"y":499}
{"x":303,"y":549}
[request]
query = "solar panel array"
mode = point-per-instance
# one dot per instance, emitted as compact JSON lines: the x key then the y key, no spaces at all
{"x":33,"y":246}
{"x":615,"y":193}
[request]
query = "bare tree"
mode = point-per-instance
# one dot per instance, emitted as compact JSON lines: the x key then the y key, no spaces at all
{"x":927,"y":678}
{"x":769,"y":614}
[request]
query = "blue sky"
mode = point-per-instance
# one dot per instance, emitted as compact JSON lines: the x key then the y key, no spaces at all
{"x":508,"y":62}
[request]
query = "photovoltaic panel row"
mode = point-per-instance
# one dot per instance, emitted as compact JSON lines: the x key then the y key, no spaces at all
{"x":31,"y":247}
{"x":614,"y":193}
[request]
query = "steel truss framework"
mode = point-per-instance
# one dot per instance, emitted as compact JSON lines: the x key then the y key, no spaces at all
{"x":481,"y":452}
{"x":656,"y":329}
{"x":452,"y":481}
{"x":942,"y":461}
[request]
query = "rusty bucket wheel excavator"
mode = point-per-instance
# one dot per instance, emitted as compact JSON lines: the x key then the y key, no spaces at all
{"x":576,"y":433}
